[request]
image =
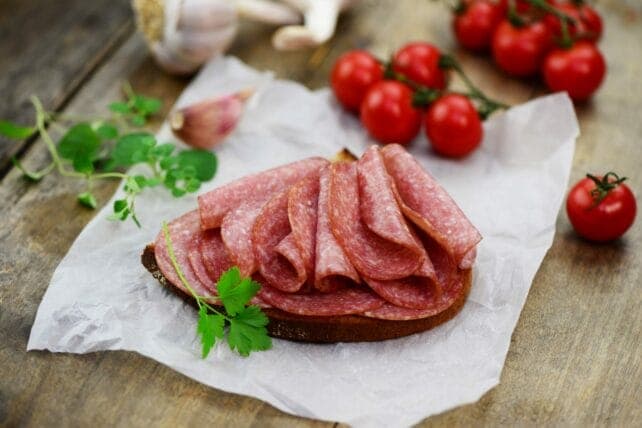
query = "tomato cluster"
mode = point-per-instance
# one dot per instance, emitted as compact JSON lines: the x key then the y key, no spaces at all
{"x":555,"y":38}
{"x":394,"y":99}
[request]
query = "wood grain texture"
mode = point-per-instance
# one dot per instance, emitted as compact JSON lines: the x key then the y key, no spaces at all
{"x":575,"y":354}
{"x":49,"y":48}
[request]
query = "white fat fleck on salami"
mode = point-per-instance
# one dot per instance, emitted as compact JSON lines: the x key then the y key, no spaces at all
{"x":372,"y":255}
{"x":236,"y":232}
{"x":302,"y":214}
{"x":341,"y":302}
{"x":333,"y":270}
{"x":428,"y":205}
{"x":271,"y":227}
{"x":252,"y":189}
{"x":184,"y":232}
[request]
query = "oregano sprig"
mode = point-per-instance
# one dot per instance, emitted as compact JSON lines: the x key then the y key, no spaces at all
{"x":246,"y":324}
{"x":96,"y":148}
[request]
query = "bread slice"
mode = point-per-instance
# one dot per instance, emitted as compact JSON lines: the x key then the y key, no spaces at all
{"x":330,"y":329}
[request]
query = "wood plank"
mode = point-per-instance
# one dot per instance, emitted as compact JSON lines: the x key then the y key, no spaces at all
{"x":49,"y":48}
{"x":574,"y":357}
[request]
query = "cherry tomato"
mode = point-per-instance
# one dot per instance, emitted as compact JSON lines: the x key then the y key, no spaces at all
{"x":519,"y":51}
{"x":453,"y":126}
{"x":521,"y":6}
{"x":601,"y":212}
{"x":419,"y":62}
{"x":475,"y":25}
{"x":352,"y":75}
{"x":578,"y":70}
{"x":587,"y":25}
{"x":388,"y":114}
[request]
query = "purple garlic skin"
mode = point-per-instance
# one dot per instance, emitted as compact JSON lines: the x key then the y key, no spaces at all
{"x":207,"y":123}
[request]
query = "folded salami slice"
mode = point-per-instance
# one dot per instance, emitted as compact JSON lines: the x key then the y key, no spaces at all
{"x":214,"y":254}
{"x":372,"y":255}
{"x":182,"y":232}
{"x":236,"y":232}
{"x":428,"y":205}
{"x":302,"y":214}
{"x":271,"y":227}
{"x":333,"y":270}
{"x":198,"y":267}
{"x":256,"y":188}
{"x":341,"y":302}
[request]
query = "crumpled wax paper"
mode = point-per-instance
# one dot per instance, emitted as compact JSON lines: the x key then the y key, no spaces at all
{"x":101,"y":298}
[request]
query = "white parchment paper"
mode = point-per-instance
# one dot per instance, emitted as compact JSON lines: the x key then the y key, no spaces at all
{"x":101,"y":297}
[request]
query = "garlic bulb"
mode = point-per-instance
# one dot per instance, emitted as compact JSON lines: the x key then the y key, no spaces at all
{"x":183,"y":34}
{"x":207,"y":123}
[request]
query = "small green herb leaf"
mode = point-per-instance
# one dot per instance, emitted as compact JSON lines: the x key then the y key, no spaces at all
{"x":80,"y":145}
{"x":146,"y":105}
{"x":235,"y":292}
{"x":131,"y":149}
{"x":248,"y":332}
{"x":163,"y":150}
{"x":107,"y":131}
{"x":203,"y":162}
{"x":16,"y":132}
{"x":210,"y":327}
{"x":120,"y":107}
{"x":87,"y":199}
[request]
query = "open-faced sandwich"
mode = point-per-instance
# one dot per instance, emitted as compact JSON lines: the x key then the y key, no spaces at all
{"x":345,"y":251}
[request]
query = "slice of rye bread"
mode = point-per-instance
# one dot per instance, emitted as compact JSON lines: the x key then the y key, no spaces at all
{"x":329,"y":329}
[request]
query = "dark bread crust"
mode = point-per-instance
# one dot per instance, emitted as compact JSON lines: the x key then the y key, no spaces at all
{"x":345,"y":328}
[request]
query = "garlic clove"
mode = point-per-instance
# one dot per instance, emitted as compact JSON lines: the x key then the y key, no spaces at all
{"x":198,"y":47}
{"x":207,"y":123}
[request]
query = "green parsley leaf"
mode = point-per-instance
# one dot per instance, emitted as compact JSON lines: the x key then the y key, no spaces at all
{"x":80,"y":145}
{"x":247,"y":331}
{"x":16,"y":132}
{"x":87,"y":199}
{"x":235,"y":292}
{"x":204,"y":163}
{"x":210,"y":327}
{"x":131,"y":149}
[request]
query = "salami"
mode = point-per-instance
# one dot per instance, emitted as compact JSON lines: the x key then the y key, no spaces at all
{"x":341,"y":302}
{"x":182,"y":232}
{"x":372,"y":255}
{"x":271,"y":227}
{"x":198,"y":267}
{"x":333,"y":270}
{"x":214,"y":254}
{"x":236,"y":232}
{"x":428,"y":205}
{"x":302,"y":214}
{"x":254,"y":189}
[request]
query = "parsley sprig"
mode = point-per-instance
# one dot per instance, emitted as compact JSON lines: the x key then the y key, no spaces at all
{"x":96,"y":148}
{"x":247,"y":323}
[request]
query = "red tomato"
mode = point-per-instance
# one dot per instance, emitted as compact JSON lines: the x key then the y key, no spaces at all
{"x":388,"y":114}
{"x":419,"y":62}
{"x":453,"y":126}
{"x":587,"y":26}
{"x":601,"y":219}
{"x":519,"y":51}
{"x":352,"y":75}
{"x":475,"y":25}
{"x":578,"y":70}
{"x":521,"y":6}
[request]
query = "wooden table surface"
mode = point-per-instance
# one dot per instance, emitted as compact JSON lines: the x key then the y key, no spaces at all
{"x":574,"y":357}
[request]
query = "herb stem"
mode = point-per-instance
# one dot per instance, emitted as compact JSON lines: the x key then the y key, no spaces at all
{"x":200,"y":300}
